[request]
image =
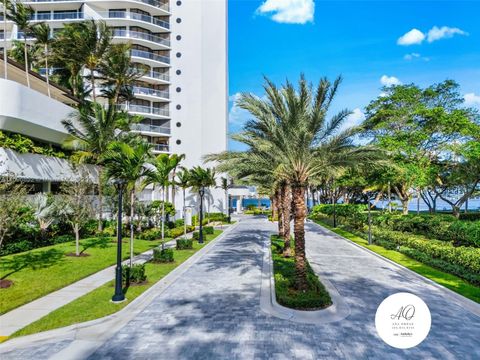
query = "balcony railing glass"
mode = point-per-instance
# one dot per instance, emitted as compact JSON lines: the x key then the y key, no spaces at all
{"x":140,"y":90}
{"x":135,"y":16}
{"x":151,"y":128}
{"x":57,"y":16}
{"x":160,"y":147}
{"x":142,"y":109}
{"x":151,"y":56}
{"x":141,"y":35}
{"x":158,"y":75}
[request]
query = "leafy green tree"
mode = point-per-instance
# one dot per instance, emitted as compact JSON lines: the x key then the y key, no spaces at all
{"x":12,"y":198}
{"x":43,"y":39}
{"x":128,"y":162}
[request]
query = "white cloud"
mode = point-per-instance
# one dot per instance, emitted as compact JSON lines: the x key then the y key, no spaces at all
{"x":471,"y":99}
{"x":236,"y":115}
{"x":444,"y":32}
{"x":355,"y":118}
{"x":412,"y":37}
{"x":289,"y":11}
{"x":389,"y":80}
{"x":411,"y":56}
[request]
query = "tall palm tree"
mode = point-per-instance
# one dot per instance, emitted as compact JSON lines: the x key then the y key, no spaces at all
{"x":117,"y":72}
{"x":96,"y":40}
{"x":200,"y":180}
{"x":5,"y":56}
{"x":91,"y":130}
{"x":128,"y":162}
{"x":175,"y":159}
{"x":183,"y":182}
{"x":21,"y":14}
{"x":160,"y":174}
{"x":42,"y":34}
{"x":291,"y":126}
{"x":225,"y":185}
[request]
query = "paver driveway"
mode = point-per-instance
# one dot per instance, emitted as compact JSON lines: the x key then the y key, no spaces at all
{"x":213,"y":312}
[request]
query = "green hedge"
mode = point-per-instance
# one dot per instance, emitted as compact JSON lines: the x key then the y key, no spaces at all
{"x":163,"y":256}
{"x":135,"y":274}
{"x":184,"y":244}
{"x":462,"y":261}
{"x":353,"y":214}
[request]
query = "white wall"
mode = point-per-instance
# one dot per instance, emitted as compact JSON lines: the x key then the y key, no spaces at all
{"x":203,"y":83}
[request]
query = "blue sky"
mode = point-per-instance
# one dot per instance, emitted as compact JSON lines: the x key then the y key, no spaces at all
{"x":367,"y":42}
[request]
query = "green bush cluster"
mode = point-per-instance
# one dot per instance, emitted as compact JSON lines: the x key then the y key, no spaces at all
{"x":163,"y":255}
{"x":208,"y":230}
{"x":134,"y":275}
{"x":471,"y":216}
{"x":150,"y":234}
{"x":23,"y":145}
{"x":257,"y":211}
{"x":178,"y":231}
{"x":183,"y":244}
{"x":211,"y":216}
{"x":352,"y":214}
{"x":284,"y":274}
{"x":462,"y":261}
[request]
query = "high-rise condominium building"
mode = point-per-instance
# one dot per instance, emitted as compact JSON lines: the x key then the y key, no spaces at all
{"x":183,"y":96}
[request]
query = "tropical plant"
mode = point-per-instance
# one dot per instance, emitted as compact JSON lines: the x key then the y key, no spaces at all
{"x":42,"y":35}
{"x":21,"y":14}
{"x":225,"y":185}
{"x":183,"y":182}
{"x":12,"y":196}
{"x":128,"y":162}
{"x":44,"y":211}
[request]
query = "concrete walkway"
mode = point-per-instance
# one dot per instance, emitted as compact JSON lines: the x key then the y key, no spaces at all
{"x":212,"y":311}
{"x":24,"y":315}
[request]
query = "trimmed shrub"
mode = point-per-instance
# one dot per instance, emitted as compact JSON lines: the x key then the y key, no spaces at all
{"x":466,"y":233}
{"x":16,"y":247}
{"x":196,"y":235}
{"x":183,"y":244}
{"x":470,"y":216}
{"x":135,"y":274}
{"x":178,"y":231}
{"x":208,"y":230}
{"x":163,"y":256}
{"x":151,"y":234}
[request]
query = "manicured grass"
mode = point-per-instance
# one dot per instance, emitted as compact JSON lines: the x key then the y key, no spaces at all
{"x":97,"y":303}
{"x":316,"y":297}
{"x":450,"y":281}
{"x":38,"y":272}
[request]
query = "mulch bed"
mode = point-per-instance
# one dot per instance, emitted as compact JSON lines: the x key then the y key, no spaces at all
{"x":4,"y":284}
{"x":75,"y":255}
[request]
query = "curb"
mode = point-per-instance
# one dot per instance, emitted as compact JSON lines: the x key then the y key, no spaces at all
{"x":338,"y":311}
{"x":460,"y":300}
{"x":88,"y":336}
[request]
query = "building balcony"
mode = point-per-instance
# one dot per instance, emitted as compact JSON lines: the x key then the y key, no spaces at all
{"x":147,"y":111}
{"x":160,"y":148}
{"x":119,"y":17}
{"x":157,"y":77}
{"x":58,"y":16}
{"x":153,"y":41}
{"x":150,"y":94}
{"x":152,"y":130}
{"x":149,"y":58}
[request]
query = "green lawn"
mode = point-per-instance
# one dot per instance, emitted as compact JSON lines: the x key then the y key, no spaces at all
{"x":38,"y":272}
{"x":316,"y":297}
{"x":450,"y":281}
{"x":97,"y":303}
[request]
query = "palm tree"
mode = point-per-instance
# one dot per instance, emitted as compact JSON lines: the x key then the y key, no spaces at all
{"x":128,"y":162}
{"x":290,"y":126}
{"x":97,"y":127}
{"x":96,"y":40}
{"x":160,"y":174}
{"x":183,"y":182}
{"x":43,"y":211}
{"x":201,"y":179}
{"x":42,"y":34}
{"x":21,"y":14}
{"x":5,"y":56}
{"x":225,"y":185}
{"x":175,"y":159}
{"x":117,"y":71}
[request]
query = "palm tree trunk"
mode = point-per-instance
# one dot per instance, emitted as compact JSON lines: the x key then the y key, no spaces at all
{"x":280,"y":210}
{"x":132,"y":200}
{"x":184,"y":217}
{"x":100,"y":200}
{"x":92,"y":80}
{"x":47,"y":75}
{"x":5,"y":57}
{"x":287,"y":203}
{"x":299,"y":234}
{"x":26,"y":59}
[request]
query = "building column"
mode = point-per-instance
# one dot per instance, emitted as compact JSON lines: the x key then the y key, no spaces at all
{"x":47,"y":187}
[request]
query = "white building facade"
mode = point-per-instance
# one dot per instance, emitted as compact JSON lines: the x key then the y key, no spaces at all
{"x":183,"y":97}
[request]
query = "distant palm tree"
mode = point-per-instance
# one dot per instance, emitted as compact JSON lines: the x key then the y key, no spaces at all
{"x":175,"y":159}
{"x":160,"y":174}
{"x":117,"y":72}
{"x":91,"y":132}
{"x":21,"y":14}
{"x":200,"y":180}
{"x":42,"y":34}
{"x":128,"y":162}
{"x":5,"y":38}
{"x":225,"y":186}
{"x":183,"y":182}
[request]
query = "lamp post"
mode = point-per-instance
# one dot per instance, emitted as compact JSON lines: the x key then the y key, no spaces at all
{"x":369,"y":222}
{"x":119,"y":296}
{"x":201,"y":192}
{"x":229,"y":219}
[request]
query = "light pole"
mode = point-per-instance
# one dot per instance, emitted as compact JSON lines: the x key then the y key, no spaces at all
{"x":229,"y":219}
{"x":119,"y":296}
{"x":201,"y":192}
{"x":369,"y":222}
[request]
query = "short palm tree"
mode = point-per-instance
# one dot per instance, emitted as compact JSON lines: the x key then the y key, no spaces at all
{"x":200,"y":180}
{"x":183,"y":182}
{"x":128,"y":162}
{"x":225,"y":185}
{"x":175,"y":160}
{"x":160,"y":175}
{"x":91,"y":130}
{"x":21,"y":14}
{"x":42,"y":34}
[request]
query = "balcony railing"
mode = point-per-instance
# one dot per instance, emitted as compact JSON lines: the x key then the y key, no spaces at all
{"x":142,"y":109}
{"x":140,"y":90}
{"x":37,"y":1}
{"x":140,"y":35}
{"x":151,"y":128}
{"x":150,"y":56}
{"x":161,"y":147}
{"x":159,"y":4}
{"x":57,"y":16}
{"x":158,"y":75}
{"x":114,"y":14}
